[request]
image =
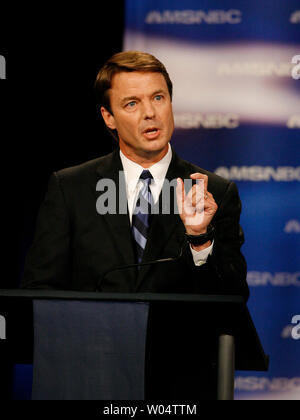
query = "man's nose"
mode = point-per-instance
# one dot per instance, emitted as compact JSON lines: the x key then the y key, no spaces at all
{"x":149,"y":110}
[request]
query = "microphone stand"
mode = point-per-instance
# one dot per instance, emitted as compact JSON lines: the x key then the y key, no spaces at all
{"x":125,"y":267}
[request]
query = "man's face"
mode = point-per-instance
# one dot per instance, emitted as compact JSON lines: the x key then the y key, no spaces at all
{"x":142,"y":114}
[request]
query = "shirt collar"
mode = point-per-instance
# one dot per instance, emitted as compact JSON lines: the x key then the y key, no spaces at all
{"x":133,"y":170}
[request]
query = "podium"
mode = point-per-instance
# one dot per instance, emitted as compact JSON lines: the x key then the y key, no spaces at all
{"x":98,"y":346}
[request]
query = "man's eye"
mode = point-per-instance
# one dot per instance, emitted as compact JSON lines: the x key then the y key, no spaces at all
{"x":131,"y":104}
{"x":158,"y":97}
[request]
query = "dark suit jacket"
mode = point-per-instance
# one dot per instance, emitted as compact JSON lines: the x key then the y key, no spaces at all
{"x":74,"y":246}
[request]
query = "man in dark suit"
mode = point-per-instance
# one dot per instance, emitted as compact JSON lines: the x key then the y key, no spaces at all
{"x":76,"y":247}
{"x":82,"y":236}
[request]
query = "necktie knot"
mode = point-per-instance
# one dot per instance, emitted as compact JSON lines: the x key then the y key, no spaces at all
{"x":146,"y":175}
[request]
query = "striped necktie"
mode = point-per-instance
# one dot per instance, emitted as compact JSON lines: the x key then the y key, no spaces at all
{"x":140,"y":215}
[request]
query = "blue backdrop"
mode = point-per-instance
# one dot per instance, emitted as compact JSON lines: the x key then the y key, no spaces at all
{"x":237,"y":112}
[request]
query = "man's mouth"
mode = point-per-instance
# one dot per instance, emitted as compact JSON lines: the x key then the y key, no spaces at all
{"x":151,"y":133}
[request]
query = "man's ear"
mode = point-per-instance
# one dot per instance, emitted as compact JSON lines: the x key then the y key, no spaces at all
{"x":108,"y":118}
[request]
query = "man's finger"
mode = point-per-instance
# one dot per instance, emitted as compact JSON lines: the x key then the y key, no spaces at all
{"x":197,"y":194}
{"x":180,"y":194}
{"x":197,"y":175}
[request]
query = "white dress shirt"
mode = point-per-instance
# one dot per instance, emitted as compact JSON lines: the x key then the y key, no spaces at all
{"x":158,"y":170}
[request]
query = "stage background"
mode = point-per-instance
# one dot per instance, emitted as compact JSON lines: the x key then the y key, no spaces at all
{"x":237,"y":113}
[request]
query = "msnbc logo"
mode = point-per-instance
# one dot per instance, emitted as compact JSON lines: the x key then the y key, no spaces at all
{"x":290,"y":331}
{"x":295,"y":17}
{"x":260,"y":173}
{"x":208,"y":121}
{"x":194,"y":17}
{"x":292,"y":226}
{"x":280,"y":279}
{"x":296,"y":330}
{"x":296,"y":68}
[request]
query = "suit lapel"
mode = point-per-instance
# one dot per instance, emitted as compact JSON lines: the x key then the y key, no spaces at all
{"x":119,"y":225}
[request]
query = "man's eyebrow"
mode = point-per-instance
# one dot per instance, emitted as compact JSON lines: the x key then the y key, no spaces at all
{"x":129,"y":98}
{"x":158,"y":92}
{"x":134,"y":98}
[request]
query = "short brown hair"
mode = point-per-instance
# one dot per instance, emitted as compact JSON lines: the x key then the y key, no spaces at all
{"x":127,"y":61}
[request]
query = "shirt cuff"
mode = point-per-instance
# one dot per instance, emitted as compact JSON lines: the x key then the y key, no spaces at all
{"x":200,"y":257}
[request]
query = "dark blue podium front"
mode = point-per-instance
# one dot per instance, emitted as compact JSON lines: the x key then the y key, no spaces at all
{"x":87,"y":350}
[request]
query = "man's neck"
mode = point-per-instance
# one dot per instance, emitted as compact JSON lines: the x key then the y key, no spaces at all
{"x":148,"y":159}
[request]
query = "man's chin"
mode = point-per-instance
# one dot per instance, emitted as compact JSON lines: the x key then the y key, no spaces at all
{"x":155,"y":146}
{"x":149,"y":150}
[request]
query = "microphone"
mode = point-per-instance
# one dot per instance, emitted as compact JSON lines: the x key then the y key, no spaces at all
{"x":127,"y":266}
